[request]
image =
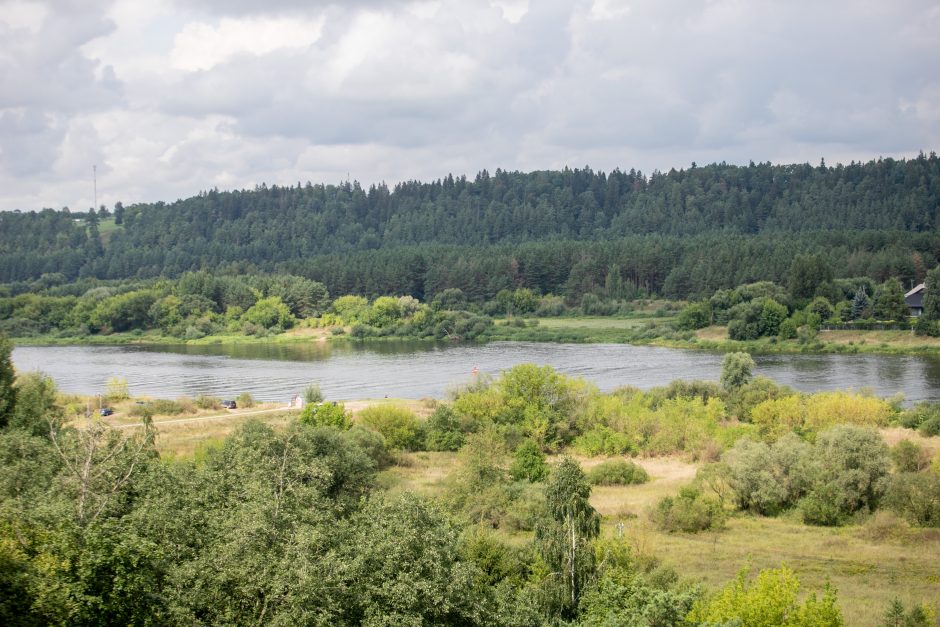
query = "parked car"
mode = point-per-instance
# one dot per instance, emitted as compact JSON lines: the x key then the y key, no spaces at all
{"x":229,"y":405}
{"x":106,"y":411}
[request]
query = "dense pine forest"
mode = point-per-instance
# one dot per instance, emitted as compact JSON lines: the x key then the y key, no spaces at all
{"x":682,"y":234}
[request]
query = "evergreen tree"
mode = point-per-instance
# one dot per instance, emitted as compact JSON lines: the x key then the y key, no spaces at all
{"x":932,"y":295}
{"x":860,"y":304}
{"x":889,"y":301}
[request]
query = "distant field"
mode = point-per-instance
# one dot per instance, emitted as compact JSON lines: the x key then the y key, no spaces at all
{"x":599,"y":323}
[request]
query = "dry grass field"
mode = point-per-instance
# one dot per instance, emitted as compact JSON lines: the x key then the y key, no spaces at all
{"x":869,"y":564}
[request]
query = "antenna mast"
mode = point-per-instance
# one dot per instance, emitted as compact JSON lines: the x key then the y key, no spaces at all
{"x":94,"y":178}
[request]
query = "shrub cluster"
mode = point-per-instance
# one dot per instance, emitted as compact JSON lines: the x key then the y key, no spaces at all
{"x":617,"y":472}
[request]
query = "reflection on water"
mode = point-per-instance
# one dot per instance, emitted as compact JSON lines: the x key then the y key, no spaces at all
{"x":349,"y":370}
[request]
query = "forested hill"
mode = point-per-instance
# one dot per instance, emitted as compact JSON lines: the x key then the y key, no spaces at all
{"x":321,"y":229}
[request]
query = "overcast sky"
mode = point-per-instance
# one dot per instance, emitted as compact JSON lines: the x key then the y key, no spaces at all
{"x":170,"y":97}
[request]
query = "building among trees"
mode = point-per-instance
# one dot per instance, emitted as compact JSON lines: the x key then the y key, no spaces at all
{"x":915,"y":299}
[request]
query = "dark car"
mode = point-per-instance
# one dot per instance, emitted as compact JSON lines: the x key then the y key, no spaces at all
{"x":106,"y":411}
{"x":229,"y":405}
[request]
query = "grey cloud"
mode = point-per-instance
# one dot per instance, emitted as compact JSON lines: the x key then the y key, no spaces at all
{"x":658,"y":86}
{"x":45,"y":80}
{"x":269,"y":7}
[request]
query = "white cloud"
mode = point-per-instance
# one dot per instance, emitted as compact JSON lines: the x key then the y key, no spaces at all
{"x":201,"y":46}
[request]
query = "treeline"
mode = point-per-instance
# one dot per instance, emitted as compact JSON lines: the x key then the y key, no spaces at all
{"x":681,"y":233}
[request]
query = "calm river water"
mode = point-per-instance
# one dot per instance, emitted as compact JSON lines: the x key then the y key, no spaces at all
{"x":408,"y":370}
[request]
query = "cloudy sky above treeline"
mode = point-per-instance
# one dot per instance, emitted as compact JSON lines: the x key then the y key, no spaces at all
{"x":170,"y":97}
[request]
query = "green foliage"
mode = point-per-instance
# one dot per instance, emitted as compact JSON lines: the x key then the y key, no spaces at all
{"x":564,"y":535}
{"x":821,"y":307}
{"x":736,"y":369}
{"x":325,"y":414}
{"x":602,"y":440}
{"x":398,"y":425}
{"x":756,"y":318}
{"x":442,"y":430}
{"x":915,"y":496}
{"x":690,"y":511}
{"x":384,"y":312}
{"x":861,"y":305}
{"x":204,"y":401}
{"x":918,"y":616}
{"x":116,"y":390}
{"x":479,"y":486}
{"x":694,"y":316}
{"x":932,"y":296}
{"x":629,"y":592}
{"x":617,"y":472}
{"x":909,"y":457}
{"x":270,"y":313}
{"x":351,"y":308}
{"x":915,"y":416}
{"x":401,"y":565}
{"x":528,"y":463}
{"x":768,"y":479}
{"x":849,"y":474}
{"x":807,"y":273}
{"x":371,"y":443}
{"x":930,"y":427}
{"x":313,"y":394}
{"x":770,"y":600}
{"x":7,"y":378}
{"x":537,"y":400}
{"x":245,"y":400}
{"x":889,"y":302}
{"x":36,"y":411}
{"x":787,"y":329}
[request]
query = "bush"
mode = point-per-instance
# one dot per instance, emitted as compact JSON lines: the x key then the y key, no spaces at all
{"x":909,"y":457}
{"x":771,"y":599}
{"x":617,"y":472}
{"x":915,"y":497}
{"x":604,"y":441}
{"x":442,"y":430}
{"x":116,"y":390}
{"x":930,"y":427}
{"x":849,"y":474}
{"x":694,"y":316}
{"x":398,"y":425}
{"x":313,"y":394}
{"x":245,"y":400}
{"x":372,"y":443}
{"x":326,"y":415}
{"x":918,"y":414}
{"x":768,"y":479}
{"x":528,"y":463}
{"x":787,"y":330}
{"x":208,"y":402}
{"x":690,"y":511}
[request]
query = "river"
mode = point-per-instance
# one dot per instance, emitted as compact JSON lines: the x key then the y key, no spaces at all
{"x":346,"y":371}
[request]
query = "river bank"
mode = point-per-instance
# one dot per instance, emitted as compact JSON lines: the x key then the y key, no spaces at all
{"x":645,"y":331}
